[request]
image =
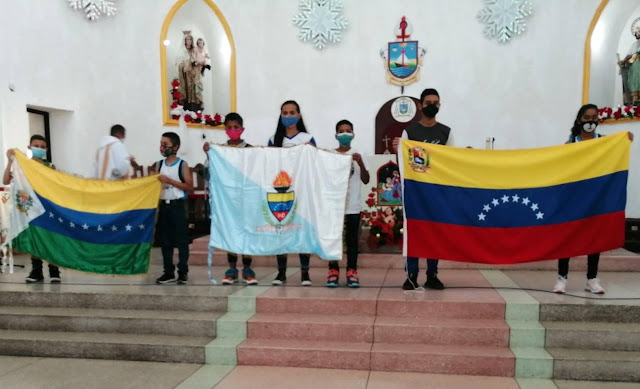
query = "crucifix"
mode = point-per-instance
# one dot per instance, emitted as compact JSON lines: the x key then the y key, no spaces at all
{"x":386,"y":140}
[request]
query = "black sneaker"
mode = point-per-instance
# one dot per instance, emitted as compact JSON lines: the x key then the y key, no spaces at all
{"x":411,"y":283}
{"x":34,"y":276}
{"x":166,"y":278}
{"x":304,"y":278}
{"x":433,"y":283}
{"x":54,"y":277}
{"x":281,"y":278}
{"x":182,"y":278}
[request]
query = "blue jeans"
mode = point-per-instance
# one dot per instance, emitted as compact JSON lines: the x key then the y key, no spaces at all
{"x":413,"y":266}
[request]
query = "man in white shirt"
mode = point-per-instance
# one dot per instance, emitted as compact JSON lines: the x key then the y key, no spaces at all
{"x":112,"y":160}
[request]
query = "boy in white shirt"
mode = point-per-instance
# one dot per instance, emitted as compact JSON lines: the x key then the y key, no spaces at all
{"x":359,"y":173}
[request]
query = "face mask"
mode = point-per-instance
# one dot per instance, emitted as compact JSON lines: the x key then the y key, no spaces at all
{"x":430,"y":111}
{"x":345,"y":139}
{"x":39,"y":153}
{"x":234,"y":134}
{"x":589,"y":126}
{"x":289,"y":121}
{"x":167,"y":151}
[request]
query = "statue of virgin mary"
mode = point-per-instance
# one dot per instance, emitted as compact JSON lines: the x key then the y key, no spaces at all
{"x":189,"y":76}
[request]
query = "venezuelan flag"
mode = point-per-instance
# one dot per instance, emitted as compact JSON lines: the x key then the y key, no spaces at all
{"x":88,"y":225}
{"x":513,"y":206}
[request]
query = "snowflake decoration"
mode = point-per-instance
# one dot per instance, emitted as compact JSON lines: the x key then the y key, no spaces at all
{"x":505,"y":18}
{"x":93,"y":9}
{"x":320,"y":21}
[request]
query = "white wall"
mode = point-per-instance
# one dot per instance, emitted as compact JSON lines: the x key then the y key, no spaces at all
{"x":525,"y":93}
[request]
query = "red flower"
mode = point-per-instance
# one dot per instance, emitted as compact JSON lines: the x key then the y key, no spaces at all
{"x":174,"y":105}
{"x":188,"y":118}
{"x":175,"y":83}
{"x":176,"y":117}
{"x":371,"y":202}
{"x":374,"y":189}
{"x":208,"y":118}
{"x":374,"y":214}
{"x":617,"y":114}
{"x":199,"y":115}
{"x":176,"y":95}
{"x":217,"y":118}
{"x":372,"y":195}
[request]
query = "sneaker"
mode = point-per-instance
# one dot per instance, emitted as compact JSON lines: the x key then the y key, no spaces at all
{"x":332,"y":278}
{"x":433,"y":283}
{"x":34,"y":276}
{"x":249,"y":276}
{"x":593,"y":286}
{"x":561,"y":285}
{"x":54,"y":277}
{"x":166,"y":278}
{"x":304,"y":278}
{"x":183,"y":278}
{"x":352,"y":279}
{"x":411,"y":283}
{"x":230,"y":277}
{"x":281,"y":278}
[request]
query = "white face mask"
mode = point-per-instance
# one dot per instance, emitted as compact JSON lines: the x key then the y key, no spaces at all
{"x":589,"y":126}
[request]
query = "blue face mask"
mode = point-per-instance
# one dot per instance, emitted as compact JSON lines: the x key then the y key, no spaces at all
{"x":39,"y":153}
{"x":289,"y":121}
{"x":345,"y":139}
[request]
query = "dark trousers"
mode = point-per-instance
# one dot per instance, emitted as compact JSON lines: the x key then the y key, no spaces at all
{"x":352,"y":229}
{"x":174,"y":233}
{"x":413,"y":266}
{"x":592,"y":266}
{"x":233,"y":259}
{"x":36,"y":265}
{"x":304,"y":262}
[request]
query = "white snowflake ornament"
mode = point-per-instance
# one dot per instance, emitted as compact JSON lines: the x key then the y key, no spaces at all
{"x":505,"y":18}
{"x":321,"y":22}
{"x":93,"y":9}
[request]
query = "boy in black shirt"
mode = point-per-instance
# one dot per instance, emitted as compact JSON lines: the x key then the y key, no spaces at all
{"x":427,"y":130}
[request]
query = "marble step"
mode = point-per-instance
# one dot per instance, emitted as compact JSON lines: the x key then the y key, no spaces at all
{"x":464,"y":360}
{"x":614,"y":312}
{"x":91,"y":345}
{"x":175,"y":323}
{"x":593,"y":336}
{"x":172,"y":297}
{"x":595,"y":365}
{"x":336,"y":328}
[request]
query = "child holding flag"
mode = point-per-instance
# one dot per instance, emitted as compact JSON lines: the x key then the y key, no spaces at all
{"x":38,"y":147}
{"x":344,"y":135}
{"x":583,"y":129}
{"x":233,"y":125}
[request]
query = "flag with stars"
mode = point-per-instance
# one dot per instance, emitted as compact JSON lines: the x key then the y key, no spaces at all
{"x":514,"y":206}
{"x":88,"y":225}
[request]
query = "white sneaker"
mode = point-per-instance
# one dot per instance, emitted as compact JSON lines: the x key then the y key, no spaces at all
{"x":561,"y":285}
{"x":593,"y":286}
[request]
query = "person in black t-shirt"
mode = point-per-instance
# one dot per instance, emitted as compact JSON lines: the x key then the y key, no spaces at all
{"x":427,"y":130}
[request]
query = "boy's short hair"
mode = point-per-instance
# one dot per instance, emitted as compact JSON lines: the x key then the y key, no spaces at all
{"x":117,"y":130}
{"x":428,"y":92}
{"x":38,"y":137}
{"x":233,"y":117}
{"x":344,"y":121}
{"x":173,"y":137}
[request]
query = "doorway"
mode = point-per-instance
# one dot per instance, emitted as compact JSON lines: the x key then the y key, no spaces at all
{"x":39,"y":125}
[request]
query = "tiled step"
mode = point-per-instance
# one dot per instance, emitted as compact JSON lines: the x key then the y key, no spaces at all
{"x":335,"y":328}
{"x":321,"y":301}
{"x":182,"y":298}
{"x":133,"y":347}
{"x":176,"y":323}
{"x":446,"y":304}
{"x":593,"y":336}
{"x":480,"y":332}
{"x":595,"y":365}
{"x":488,"y":361}
{"x":578,"y":312}
{"x":299,"y":353}
{"x":439,"y":359}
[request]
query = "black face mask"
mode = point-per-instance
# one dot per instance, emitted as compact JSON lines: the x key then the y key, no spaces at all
{"x":430,"y":110}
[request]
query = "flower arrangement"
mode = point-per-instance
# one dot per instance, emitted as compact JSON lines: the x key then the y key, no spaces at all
{"x":178,"y":110}
{"x":385,"y":223}
{"x":622,"y":112}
